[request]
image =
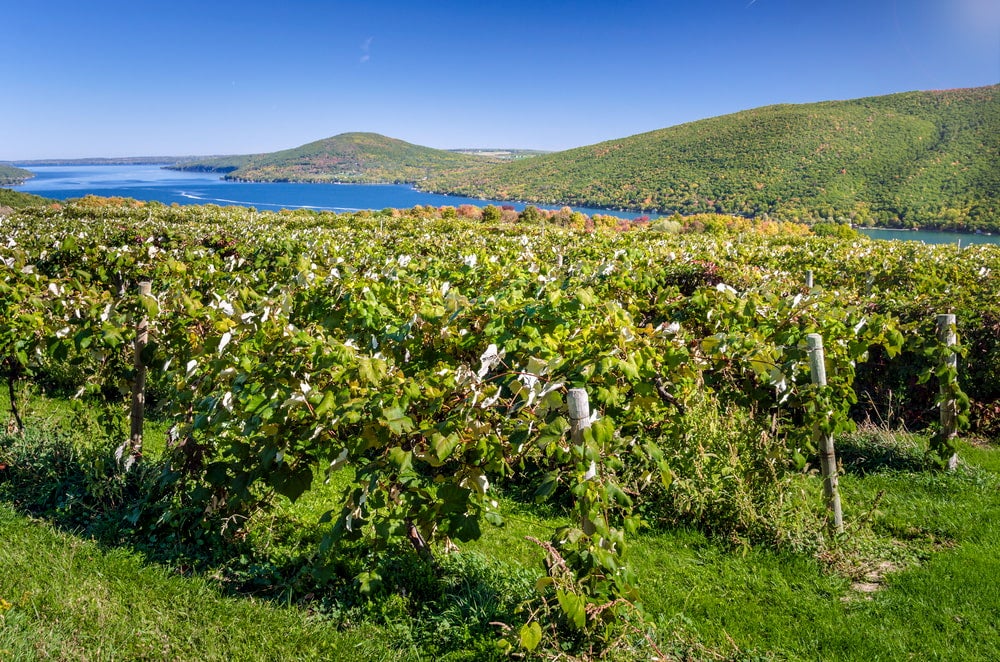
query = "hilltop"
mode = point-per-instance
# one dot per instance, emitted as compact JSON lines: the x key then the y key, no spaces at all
{"x":348,"y":157}
{"x":11,"y":176}
{"x":916,"y":158}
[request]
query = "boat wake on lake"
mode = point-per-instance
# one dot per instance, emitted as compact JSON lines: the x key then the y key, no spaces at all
{"x":245,"y":203}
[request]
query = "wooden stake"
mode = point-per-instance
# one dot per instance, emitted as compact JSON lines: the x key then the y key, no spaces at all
{"x":949,"y":407}
{"x":579,"y":413}
{"x":809,"y":279}
{"x":579,"y":420}
{"x":139,"y":383}
{"x":827,"y":455}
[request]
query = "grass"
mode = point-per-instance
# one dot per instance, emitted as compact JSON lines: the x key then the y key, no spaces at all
{"x":938,"y":536}
{"x":926,"y":545}
{"x":65,"y":598}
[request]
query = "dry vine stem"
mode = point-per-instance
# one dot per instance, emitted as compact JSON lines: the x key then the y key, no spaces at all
{"x":139,"y":383}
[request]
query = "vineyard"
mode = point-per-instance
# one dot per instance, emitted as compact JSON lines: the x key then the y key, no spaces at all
{"x":430,"y":367}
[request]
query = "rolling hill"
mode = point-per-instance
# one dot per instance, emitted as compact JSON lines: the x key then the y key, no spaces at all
{"x":348,"y":157}
{"x":916,"y":158}
{"x":11,"y":176}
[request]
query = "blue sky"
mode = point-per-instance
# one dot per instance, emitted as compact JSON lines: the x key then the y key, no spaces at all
{"x":138,"y":77}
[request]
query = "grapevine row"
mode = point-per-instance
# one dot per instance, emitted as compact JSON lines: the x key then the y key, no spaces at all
{"x":429,"y":359}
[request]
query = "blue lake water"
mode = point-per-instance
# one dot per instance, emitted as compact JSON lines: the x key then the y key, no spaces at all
{"x":929,"y":237}
{"x":150,"y":182}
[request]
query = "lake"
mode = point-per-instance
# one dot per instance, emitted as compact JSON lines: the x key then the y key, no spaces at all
{"x":929,"y":237}
{"x":151,"y":182}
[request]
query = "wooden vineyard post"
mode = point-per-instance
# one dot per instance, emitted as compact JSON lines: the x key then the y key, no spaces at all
{"x":579,"y":413}
{"x":824,"y":441}
{"x":809,"y":279}
{"x":949,"y":407}
{"x":578,"y":405}
{"x":139,"y":382}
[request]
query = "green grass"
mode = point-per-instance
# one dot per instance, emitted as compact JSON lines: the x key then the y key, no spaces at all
{"x":940,"y":599}
{"x":937,"y":594}
{"x":70,"y":600}
{"x":65,"y":597}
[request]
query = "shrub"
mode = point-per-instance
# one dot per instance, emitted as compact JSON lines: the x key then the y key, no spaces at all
{"x":840,"y":230}
{"x":728,"y":475}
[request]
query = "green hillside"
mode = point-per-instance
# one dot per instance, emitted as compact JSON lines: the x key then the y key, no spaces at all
{"x":16,"y":200}
{"x":348,"y":157}
{"x":11,"y":176}
{"x":220,"y":164}
{"x":917,"y":158}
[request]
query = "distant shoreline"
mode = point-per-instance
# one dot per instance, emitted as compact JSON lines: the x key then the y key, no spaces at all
{"x":109,"y":161}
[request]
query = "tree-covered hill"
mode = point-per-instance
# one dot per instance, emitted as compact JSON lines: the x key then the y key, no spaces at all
{"x":10,"y":200}
{"x":916,"y":158}
{"x":11,"y":176}
{"x":220,"y":164}
{"x":348,"y":157}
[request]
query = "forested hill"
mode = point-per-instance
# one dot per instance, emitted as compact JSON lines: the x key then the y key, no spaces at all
{"x":10,"y":199}
{"x":348,"y":157}
{"x":917,"y":158}
{"x":11,"y":176}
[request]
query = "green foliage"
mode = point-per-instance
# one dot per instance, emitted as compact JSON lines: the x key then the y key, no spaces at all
{"x":491,"y":214}
{"x":422,"y":361}
{"x":17,"y":200}
{"x":348,"y":157}
{"x":726,"y":474}
{"x":71,"y":475}
{"x":918,"y":159}
{"x":220,"y":164}
{"x":936,"y":533}
{"x":839,"y":230}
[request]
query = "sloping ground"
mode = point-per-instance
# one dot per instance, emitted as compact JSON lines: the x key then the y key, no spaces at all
{"x":917,"y":157}
{"x":16,"y":200}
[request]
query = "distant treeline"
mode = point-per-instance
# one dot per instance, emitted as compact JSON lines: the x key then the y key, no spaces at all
{"x":114,"y":160}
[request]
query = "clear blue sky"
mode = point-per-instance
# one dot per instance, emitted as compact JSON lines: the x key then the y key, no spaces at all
{"x":143,"y":77}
